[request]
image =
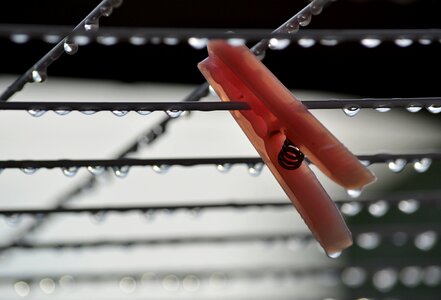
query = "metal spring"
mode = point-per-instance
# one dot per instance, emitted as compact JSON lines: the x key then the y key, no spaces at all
{"x":290,"y":157}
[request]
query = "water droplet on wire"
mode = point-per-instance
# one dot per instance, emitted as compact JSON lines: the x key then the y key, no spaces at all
{"x":106,"y":10}
{"x":351,"y":110}
{"x":256,"y":169}
{"x":91,"y":25}
{"x":29,"y":170}
{"x":121,"y":171}
{"x":236,"y":42}
{"x":47,"y":286}
{"x":171,"y":283}
{"x":81,"y":40}
{"x":191,"y":283}
{"x":397,"y":165}
{"x":403,"y":42}
{"x":351,"y":208}
{"x":426,"y":240}
{"x":144,"y":112}
{"x":36,"y":112}
{"x":368,"y":240}
{"x":413,"y":108}
{"x":62,"y":112}
{"x":382,"y":109}
{"x":13,"y":220}
{"x":197,"y":43}
{"x":160,"y":169}
{"x":172,"y":113}
{"x":51,"y":38}
{"x":329,"y":42}
{"x":88,"y":112}
{"x":278,"y":44}
{"x":432,"y":276}
{"x":120,"y":113}
{"x":107,"y":40}
{"x":293,"y":26}
{"x":70,"y":171}
{"x":408,"y":206}
{"x":22,"y":288}
{"x":137,"y":40}
{"x":38,"y":76}
{"x":171,"y":41}
{"x":70,"y":47}
{"x":370,"y":42}
{"x":304,"y":19}
{"x":353,"y":276}
{"x":127,"y":285}
{"x":434,"y":109}
{"x":306,"y":42}
{"x":98,"y":217}
{"x":379,"y":208}
{"x":384,"y":280}
{"x":224,"y":168}
{"x":422,"y":165}
{"x":20,"y":38}
{"x":411,"y":276}
{"x":316,"y":8}
{"x":96,"y":170}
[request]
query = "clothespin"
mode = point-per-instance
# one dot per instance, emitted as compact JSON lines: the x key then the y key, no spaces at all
{"x":283,"y":131}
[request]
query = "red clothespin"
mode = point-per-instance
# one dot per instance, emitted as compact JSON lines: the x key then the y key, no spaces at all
{"x":281,"y":129}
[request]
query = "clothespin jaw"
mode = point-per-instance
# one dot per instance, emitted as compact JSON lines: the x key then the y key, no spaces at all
{"x":281,"y":129}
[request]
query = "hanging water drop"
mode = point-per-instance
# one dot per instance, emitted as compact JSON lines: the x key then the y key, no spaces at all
{"x":98,"y":217}
{"x":96,"y":170}
{"x":160,"y":169}
{"x":334,"y":254}
{"x":306,"y":42}
{"x":434,"y":109}
{"x":62,"y":112}
{"x":144,"y":112}
{"x":370,"y":42}
{"x":137,"y":40}
{"x":354,"y":193}
{"x":149,"y":215}
{"x":368,"y":240}
{"x":70,"y":171}
{"x":422,"y":165}
{"x":127,"y":285}
{"x":173,"y":113}
{"x":223,"y":168}
{"x":81,"y":40}
{"x":304,"y":19}
{"x":22,"y":288}
{"x":195,"y":212}
{"x":107,"y":40}
{"x":411,"y":276}
{"x":382,"y":109}
{"x":121,"y":171}
{"x":408,"y":206}
{"x":351,"y":110}
{"x":88,"y":112}
{"x":120,"y":113}
{"x":384,"y":280}
{"x":116,"y":3}
{"x":353,"y":276}
{"x":36,"y":112}
{"x":316,"y":8}
{"x":379,"y":208}
{"x":256,"y":169}
{"x":20,"y":38}
{"x":413,"y":108}
{"x":293,"y":26}
{"x":51,"y":38}
{"x":426,"y":240}
{"x":191,"y":283}
{"x":29,"y":170}
{"x":47,"y":286}
{"x":278,"y":44}
{"x":330,"y":42}
{"x":38,"y":76}
{"x":351,"y":208}
{"x":106,"y":10}
{"x":91,"y":25}
{"x":403,"y":42}
{"x":13,"y":220}
{"x":171,"y":41}
{"x":397,"y":165}
{"x":197,"y":43}
{"x":70,"y":47}
{"x":425,"y":41}
{"x":236,"y":42}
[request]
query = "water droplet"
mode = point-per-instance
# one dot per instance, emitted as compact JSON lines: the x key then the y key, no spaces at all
{"x":403,"y":42}
{"x":121,"y":171}
{"x":195,"y":212}
{"x":29,"y":170}
{"x":13,"y":220}
{"x":382,"y":109}
{"x":96,"y":170}
{"x":408,"y":206}
{"x":106,"y":10}
{"x":137,"y":40}
{"x":22,"y":288}
{"x":91,"y":25}
{"x":434,"y":109}
{"x":160,"y":169}
{"x":353,"y":276}
{"x":293,"y":27}
{"x":38,"y":76}
{"x":36,"y":112}
{"x":62,"y":112}
{"x":334,"y":254}
{"x":351,"y":208}
{"x":236,"y":42}
{"x":173,"y":113}
{"x":260,"y":54}
{"x":425,"y":41}
{"x":87,"y":112}
{"x":316,"y":8}
{"x":98,"y":217}
{"x":397,"y":165}
{"x":116,"y":3}
{"x":432,"y":276}
{"x":368,"y":240}
{"x":171,"y":283}
{"x":81,"y":40}
{"x":370,"y":42}
{"x":223,"y":168}
{"x":426,"y":240}
{"x":191,"y":283}
{"x":354,"y":193}
{"x":422,"y":165}
{"x":278,"y":44}
{"x":351,"y":110}
{"x":67,"y":281}
{"x":304,"y":19}
{"x":51,"y":38}
{"x":411,"y":276}
{"x":155,"y":40}
{"x":218,"y":280}
{"x":47,"y":286}
{"x":365,"y":163}
{"x":329,"y":42}
{"x":149,"y":215}
{"x":20,"y":38}
{"x":107,"y":40}
{"x":171,"y":41}
{"x":70,"y":171}
{"x":306,"y":42}
{"x":384,"y":280}
{"x":144,"y":112}
{"x":120,"y":113}
{"x":379,"y":208}
{"x":413,"y":108}
{"x":399,"y":238}
{"x":127,"y":285}
{"x":256,"y":169}
{"x":70,"y":47}
{"x":198,"y":43}
{"x":1,"y":170}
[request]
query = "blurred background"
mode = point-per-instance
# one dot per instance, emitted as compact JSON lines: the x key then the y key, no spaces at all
{"x":101,"y":237}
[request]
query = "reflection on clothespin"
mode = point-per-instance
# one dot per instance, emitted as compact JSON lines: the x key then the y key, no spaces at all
{"x":281,"y":129}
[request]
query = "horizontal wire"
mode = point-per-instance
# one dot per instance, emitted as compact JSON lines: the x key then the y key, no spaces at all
{"x":187,"y":162}
{"x":127,"y":34}
{"x":414,"y":102}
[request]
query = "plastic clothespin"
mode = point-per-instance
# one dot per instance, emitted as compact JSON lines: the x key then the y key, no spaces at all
{"x":283,"y":131}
